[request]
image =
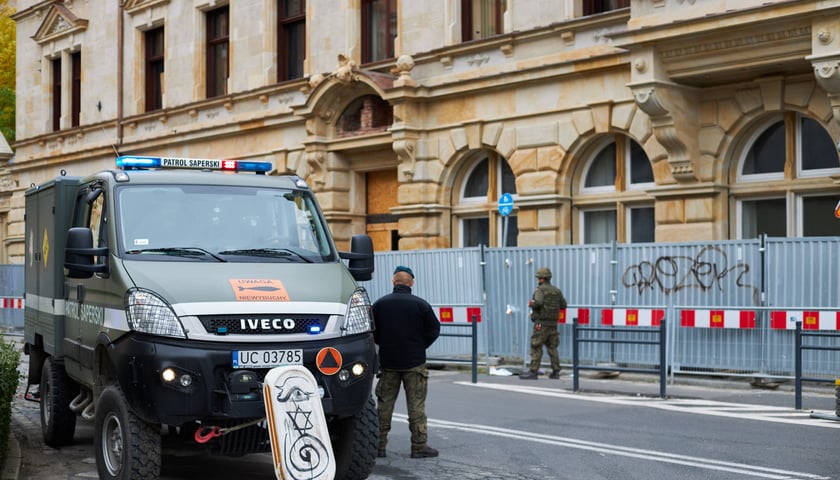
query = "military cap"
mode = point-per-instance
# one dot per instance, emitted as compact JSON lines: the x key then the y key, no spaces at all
{"x":401,"y":268}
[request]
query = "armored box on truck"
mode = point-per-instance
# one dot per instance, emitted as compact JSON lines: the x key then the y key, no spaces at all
{"x":157,"y":300}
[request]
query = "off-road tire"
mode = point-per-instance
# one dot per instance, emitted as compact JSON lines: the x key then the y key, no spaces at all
{"x":125,"y":447}
{"x":355,"y":441}
{"x":57,"y":390}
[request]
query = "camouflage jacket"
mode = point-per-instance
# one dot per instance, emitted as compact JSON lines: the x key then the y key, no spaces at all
{"x":548,"y":301}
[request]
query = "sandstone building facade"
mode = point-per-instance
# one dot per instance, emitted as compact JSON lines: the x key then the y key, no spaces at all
{"x":625,"y":120}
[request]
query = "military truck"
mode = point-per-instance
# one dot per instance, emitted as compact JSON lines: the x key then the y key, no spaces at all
{"x":159,"y":294}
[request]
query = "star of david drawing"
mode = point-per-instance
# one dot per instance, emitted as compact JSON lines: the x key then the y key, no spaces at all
{"x":300,"y":420}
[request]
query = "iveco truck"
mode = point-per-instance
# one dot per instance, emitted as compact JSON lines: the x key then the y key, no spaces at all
{"x":159,"y":294}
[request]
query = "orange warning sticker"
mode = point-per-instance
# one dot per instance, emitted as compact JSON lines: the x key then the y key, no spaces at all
{"x":328,"y":361}
{"x":259,"y":290}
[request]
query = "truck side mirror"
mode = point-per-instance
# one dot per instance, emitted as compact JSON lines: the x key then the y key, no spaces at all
{"x":360,"y":257}
{"x":79,"y":254}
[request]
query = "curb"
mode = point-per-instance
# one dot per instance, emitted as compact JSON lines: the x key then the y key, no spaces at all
{"x":11,"y":469}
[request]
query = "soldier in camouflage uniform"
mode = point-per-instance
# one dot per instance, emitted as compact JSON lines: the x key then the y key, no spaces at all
{"x":406,"y":326}
{"x":545,"y":307}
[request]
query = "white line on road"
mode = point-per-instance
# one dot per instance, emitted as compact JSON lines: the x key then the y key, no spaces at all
{"x":608,"y":449}
{"x":717,"y":409}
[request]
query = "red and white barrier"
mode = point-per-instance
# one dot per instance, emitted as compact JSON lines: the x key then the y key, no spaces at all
{"x":717,"y":318}
{"x":568,"y":315}
{"x":459,"y":314}
{"x":12,"y":303}
{"x":811,"y":320}
{"x":632,"y":317}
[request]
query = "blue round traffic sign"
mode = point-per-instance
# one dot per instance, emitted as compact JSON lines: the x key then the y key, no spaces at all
{"x":505,"y":204}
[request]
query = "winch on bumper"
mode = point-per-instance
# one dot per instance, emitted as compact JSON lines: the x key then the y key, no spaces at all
{"x":172,"y":382}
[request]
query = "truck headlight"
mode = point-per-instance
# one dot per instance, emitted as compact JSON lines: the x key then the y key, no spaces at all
{"x":357,"y":319}
{"x":148,"y":313}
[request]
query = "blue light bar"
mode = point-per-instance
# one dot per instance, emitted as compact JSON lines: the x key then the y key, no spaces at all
{"x":314,"y":329}
{"x":142,"y":163}
{"x":128,"y":163}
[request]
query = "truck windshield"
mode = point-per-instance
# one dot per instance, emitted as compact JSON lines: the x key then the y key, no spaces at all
{"x":220,"y":224}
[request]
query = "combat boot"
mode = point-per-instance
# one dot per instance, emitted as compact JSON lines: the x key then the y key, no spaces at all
{"x":555,"y":374}
{"x":425,"y":452}
{"x":529,"y":375}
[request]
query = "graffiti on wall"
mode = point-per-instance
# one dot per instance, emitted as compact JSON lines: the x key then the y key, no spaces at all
{"x":707,"y":270}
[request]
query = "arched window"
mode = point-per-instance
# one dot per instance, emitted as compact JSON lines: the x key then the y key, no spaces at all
{"x":611,"y":201}
{"x":478,"y":220}
{"x":367,"y":114}
{"x":782,"y":187}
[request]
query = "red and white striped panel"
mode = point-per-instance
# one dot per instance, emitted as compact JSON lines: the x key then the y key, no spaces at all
{"x":459,"y":314}
{"x":14,"y":303}
{"x":717,"y":318}
{"x":632,"y":317}
{"x":568,"y":315}
{"x":811,"y":320}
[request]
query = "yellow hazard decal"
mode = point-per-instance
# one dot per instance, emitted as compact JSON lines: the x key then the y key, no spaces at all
{"x":259,"y":290}
{"x":45,"y":248}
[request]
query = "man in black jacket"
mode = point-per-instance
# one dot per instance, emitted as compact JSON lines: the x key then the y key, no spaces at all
{"x":406,"y":326}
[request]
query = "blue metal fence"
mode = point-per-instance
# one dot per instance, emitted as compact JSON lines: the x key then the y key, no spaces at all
{"x":762,"y":274}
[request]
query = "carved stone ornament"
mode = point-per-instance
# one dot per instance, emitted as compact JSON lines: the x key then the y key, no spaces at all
{"x":316,"y":163}
{"x":58,"y":22}
{"x":647,"y":100}
{"x":345,"y":73}
{"x":404,"y":65}
{"x":133,"y":7}
{"x":406,"y":151}
{"x":827,"y":74}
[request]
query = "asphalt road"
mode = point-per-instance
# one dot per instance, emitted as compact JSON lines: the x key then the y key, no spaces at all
{"x":504,"y":427}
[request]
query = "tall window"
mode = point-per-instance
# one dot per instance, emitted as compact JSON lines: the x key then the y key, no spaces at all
{"x":154,"y":69}
{"x":783,"y":186}
{"x":76,"y":89}
{"x":291,"y":39}
{"x":56,"y":94}
{"x":621,"y":168}
{"x":591,"y":7}
{"x":481,"y":18}
{"x":218,"y":59}
{"x":379,"y":29}
{"x":476,"y":210}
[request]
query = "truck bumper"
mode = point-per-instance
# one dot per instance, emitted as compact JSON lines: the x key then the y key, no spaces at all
{"x":206,"y":387}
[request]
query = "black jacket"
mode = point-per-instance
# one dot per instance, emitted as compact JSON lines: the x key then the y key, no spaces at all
{"x":406,"y":326}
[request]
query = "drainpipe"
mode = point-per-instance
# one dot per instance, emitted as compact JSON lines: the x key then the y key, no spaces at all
{"x":120,"y":40}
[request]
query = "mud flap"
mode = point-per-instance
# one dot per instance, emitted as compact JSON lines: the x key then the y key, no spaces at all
{"x":300,"y":440}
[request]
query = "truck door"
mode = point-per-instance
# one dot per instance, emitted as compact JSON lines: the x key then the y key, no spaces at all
{"x":85,"y":311}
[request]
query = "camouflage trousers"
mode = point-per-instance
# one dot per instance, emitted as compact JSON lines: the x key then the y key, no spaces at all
{"x":544,"y":335}
{"x":415,"y":383}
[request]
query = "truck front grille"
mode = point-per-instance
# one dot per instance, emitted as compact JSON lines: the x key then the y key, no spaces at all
{"x":263,"y":324}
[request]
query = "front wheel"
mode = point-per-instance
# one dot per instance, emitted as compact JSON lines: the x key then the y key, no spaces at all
{"x":355,"y":441}
{"x":126,"y":448}
{"x":57,"y":389}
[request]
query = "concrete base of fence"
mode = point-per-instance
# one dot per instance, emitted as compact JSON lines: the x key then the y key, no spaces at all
{"x":825,"y":416}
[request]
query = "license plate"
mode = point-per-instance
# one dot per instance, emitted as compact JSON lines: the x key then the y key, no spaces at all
{"x":266,"y":358}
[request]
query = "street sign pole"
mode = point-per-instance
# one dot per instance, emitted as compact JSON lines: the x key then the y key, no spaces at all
{"x":505,"y":208}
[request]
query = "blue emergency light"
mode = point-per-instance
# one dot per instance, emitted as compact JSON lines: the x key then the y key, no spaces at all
{"x":142,"y":163}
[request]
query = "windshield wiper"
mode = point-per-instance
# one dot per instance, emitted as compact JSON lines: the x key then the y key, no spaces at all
{"x":178,"y":251}
{"x":266,"y":252}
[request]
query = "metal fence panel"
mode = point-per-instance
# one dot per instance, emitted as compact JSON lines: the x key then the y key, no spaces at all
{"x":11,"y":287}
{"x":760,"y":274}
{"x":710,"y":273}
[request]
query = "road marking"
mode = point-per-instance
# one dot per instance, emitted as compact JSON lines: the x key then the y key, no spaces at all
{"x":609,"y":449}
{"x":702,"y":407}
